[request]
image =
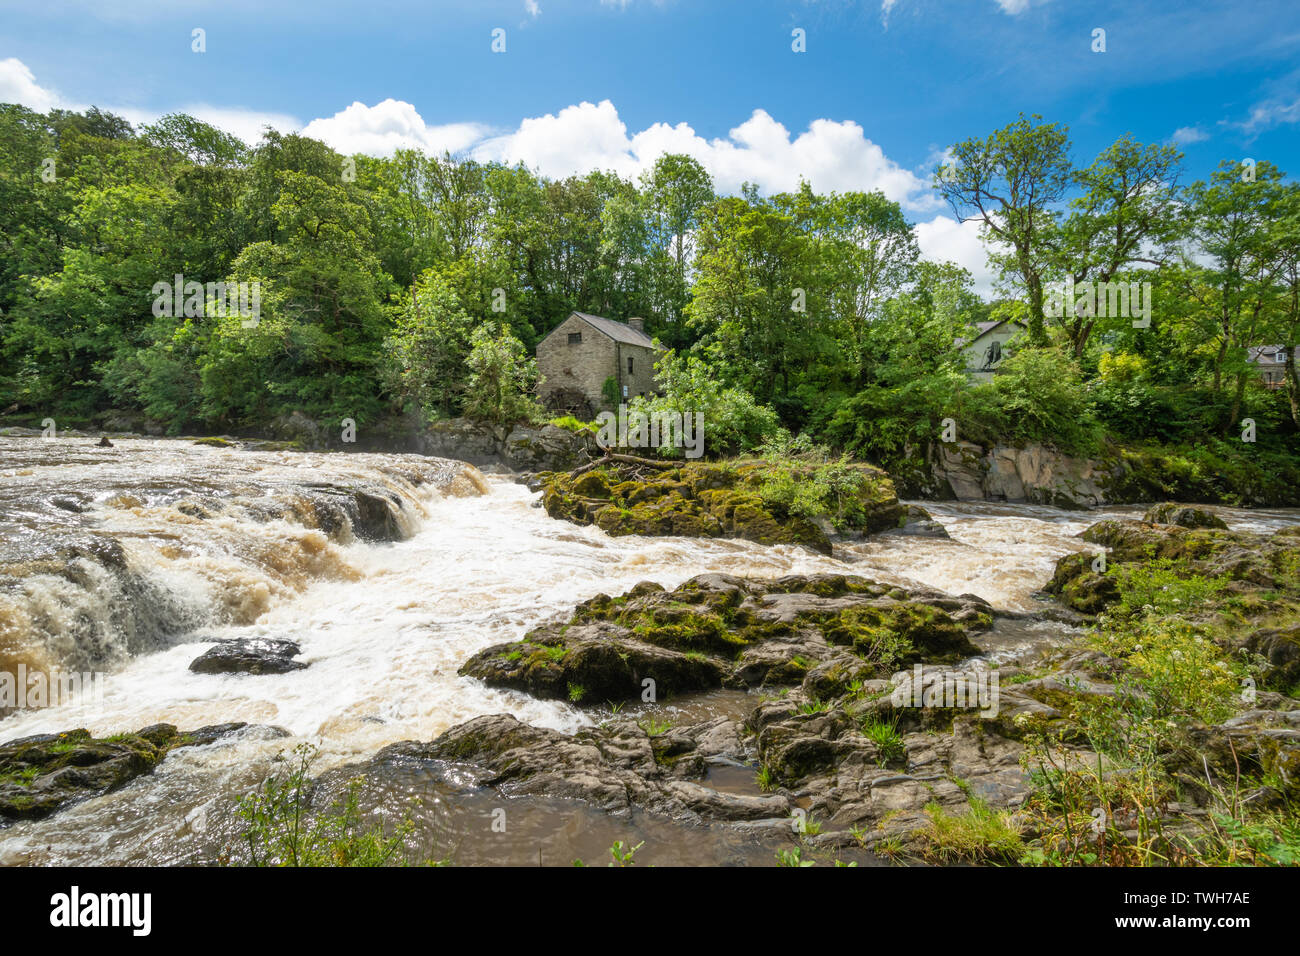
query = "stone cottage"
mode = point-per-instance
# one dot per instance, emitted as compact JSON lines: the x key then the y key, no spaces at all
{"x":583,"y":352}
{"x":985,"y":351}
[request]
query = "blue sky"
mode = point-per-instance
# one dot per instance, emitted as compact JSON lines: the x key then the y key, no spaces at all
{"x":882,"y":88}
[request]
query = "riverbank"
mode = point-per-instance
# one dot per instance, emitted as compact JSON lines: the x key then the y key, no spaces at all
{"x":383,"y":647}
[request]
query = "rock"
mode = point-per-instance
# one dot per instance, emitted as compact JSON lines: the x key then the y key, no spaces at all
{"x":713,"y":500}
{"x":42,"y":774}
{"x":1280,"y":649}
{"x":1035,"y":474}
{"x":298,"y":429}
{"x":615,"y":766}
{"x":1184,"y":516}
{"x":920,"y":523}
{"x":104,"y":442}
{"x":716,"y":630}
{"x":523,"y":448}
{"x":1080,"y":587}
{"x":45,"y":773}
{"x":549,"y":448}
{"x":249,"y":656}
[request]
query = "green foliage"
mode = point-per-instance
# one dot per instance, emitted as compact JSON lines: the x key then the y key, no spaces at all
{"x":502,"y":378}
{"x":280,"y":828}
{"x":623,"y":854}
{"x":733,"y":422}
{"x":814,"y":489}
{"x":419,"y":287}
{"x":1037,"y":396}
{"x":980,"y":835}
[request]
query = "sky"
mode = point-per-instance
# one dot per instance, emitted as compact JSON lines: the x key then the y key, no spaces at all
{"x":877,"y":92}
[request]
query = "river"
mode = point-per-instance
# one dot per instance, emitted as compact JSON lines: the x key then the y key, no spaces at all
{"x":224,"y":543}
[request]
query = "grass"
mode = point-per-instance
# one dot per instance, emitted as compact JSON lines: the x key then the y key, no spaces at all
{"x":980,"y":835}
{"x":281,"y":830}
{"x":885,"y":735}
{"x":655,"y":728}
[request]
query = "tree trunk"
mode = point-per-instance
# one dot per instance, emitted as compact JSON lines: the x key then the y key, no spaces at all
{"x":1237,"y":398}
{"x":1292,"y":383}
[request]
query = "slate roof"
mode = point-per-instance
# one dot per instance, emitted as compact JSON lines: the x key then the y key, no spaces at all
{"x":618,"y":331}
{"x":1269,"y":354}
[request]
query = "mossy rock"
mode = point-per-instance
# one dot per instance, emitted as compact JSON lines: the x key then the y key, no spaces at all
{"x":42,"y":774}
{"x":591,"y":485}
{"x":706,"y":500}
{"x":1184,"y":516}
{"x":1080,"y":587}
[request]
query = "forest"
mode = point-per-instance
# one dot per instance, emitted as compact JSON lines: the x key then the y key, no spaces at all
{"x":405,"y":289}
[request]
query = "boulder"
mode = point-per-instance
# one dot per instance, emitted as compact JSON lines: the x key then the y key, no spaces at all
{"x":249,"y":656}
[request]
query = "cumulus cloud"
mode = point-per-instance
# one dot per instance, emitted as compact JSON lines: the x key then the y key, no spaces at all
{"x":532,"y":8}
{"x":390,"y":125}
{"x":944,"y":239}
{"x":18,"y":85}
{"x":830,"y":155}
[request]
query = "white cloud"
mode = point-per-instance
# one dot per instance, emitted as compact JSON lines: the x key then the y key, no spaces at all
{"x":18,"y":85}
{"x":830,"y":155}
{"x":533,"y":8}
{"x":246,"y":124}
{"x":1186,"y":135}
{"x":392,"y":124}
{"x":944,"y":239}
{"x":1272,"y":113}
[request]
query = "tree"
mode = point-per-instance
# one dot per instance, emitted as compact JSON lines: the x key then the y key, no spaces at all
{"x":1128,"y":210}
{"x":429,"y":345}
{"x":1238,"y":224}
{"x":502,"y":378}
{"x":1009,"y":183}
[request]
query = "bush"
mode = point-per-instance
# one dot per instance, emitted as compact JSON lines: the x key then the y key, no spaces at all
{"x":733,"y":421}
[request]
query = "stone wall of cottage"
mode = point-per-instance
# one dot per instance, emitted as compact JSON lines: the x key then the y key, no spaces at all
{"x":586,"y":364}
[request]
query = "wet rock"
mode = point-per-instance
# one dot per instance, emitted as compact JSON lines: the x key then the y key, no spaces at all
{"x":717,"y":630}
{"x":249,"y":656}
{"x":714,"y":500}
{"x":1184,"y":516}
{"x":614,"y":766}
{"x":920,"y":523}
{"x":104,"y":442}
{"x":42,"y":774}
{"x":378,"y":517}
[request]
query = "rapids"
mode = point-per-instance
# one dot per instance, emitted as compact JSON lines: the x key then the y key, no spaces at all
{"x":215,"y":543}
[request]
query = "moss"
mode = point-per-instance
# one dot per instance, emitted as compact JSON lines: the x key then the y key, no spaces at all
{"x":703,"y":500}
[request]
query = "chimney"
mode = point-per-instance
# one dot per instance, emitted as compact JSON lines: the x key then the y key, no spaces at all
{"x":637,"y":323}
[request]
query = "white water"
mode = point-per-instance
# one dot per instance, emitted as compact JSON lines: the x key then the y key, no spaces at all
{"x":384,"y":641}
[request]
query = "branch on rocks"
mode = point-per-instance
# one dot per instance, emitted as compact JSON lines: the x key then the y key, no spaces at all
{"x":610,"y":457}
